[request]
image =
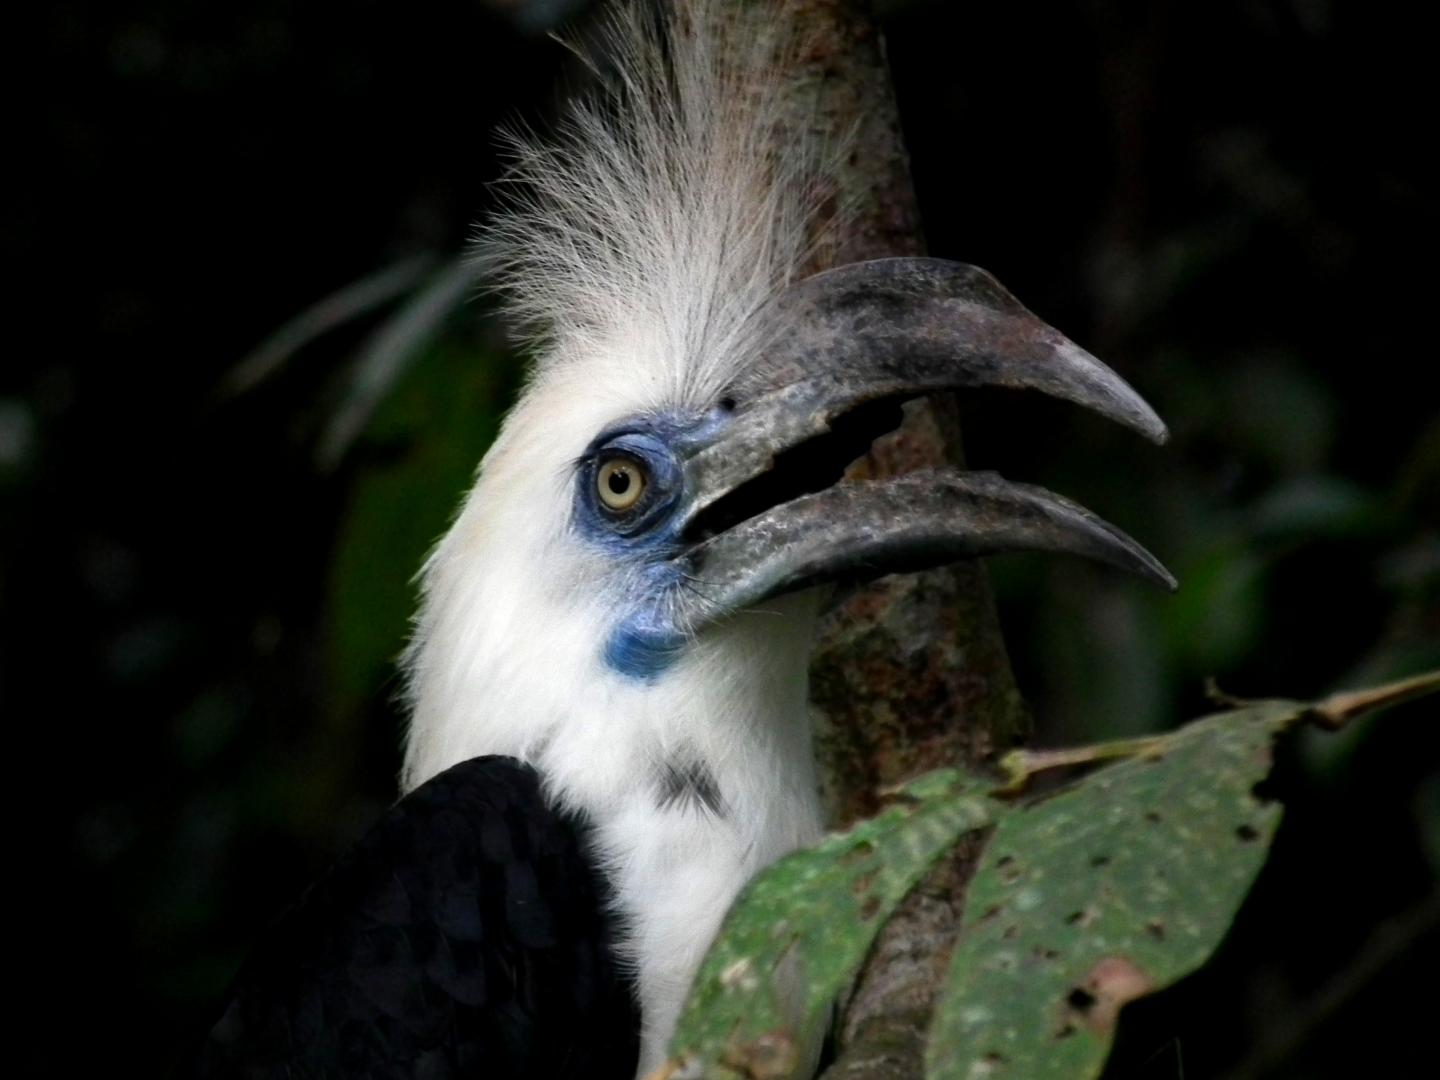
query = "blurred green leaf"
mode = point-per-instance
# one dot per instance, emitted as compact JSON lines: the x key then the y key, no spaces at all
{"x":393,"y":350}
{"x":1112,"y":670}
{"x":346,"y":304}
{"x":1216,"y":618}
{"x":1313,"y":506}
{"x":1280,"y":413}
{"x":442,"y":417}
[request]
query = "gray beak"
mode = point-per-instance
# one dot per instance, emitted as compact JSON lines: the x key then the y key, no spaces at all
{"x":841,"y":351}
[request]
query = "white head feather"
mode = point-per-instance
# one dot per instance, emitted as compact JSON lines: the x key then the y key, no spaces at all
{"x":647,"y":233}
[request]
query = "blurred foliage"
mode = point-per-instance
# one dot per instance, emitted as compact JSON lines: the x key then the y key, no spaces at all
{"x":429,"y":433}
{"x":1232,"y":203}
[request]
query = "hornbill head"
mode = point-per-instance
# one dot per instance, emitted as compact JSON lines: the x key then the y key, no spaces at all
{"x":745,"y":501}
{"x":624,"y":518}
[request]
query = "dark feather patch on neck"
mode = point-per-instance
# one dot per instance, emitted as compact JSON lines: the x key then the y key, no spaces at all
{"x":689,"y":785}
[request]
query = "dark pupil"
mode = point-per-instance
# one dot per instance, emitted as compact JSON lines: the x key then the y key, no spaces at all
{"x":619,"y":480}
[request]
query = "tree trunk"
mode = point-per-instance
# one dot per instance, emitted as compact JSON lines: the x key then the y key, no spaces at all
{"x":910,"y":673}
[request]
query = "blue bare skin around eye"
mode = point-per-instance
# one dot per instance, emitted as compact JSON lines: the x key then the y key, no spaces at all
{"x":644,"y":643}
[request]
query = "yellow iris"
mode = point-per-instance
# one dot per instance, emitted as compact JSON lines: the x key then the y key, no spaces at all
{"x":620,"y":482}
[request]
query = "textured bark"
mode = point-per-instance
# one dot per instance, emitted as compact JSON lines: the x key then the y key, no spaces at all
{"x":910,"y":673}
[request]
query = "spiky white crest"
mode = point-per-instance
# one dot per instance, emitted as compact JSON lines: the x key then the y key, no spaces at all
{"x":640,"y":244}
{"x":665,"y":211}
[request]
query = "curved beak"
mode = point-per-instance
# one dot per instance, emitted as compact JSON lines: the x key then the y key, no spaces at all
{"x":767,"y":513}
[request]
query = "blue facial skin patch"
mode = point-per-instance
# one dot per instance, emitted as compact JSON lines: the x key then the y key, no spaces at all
{"x":640,"y":651}
{"x":645,"y":642}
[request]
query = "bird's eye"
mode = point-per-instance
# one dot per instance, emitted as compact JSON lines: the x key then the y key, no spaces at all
{"x":620,"y":481}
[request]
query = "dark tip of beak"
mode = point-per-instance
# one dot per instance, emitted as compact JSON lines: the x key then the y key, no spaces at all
{"x":1096,"y":385}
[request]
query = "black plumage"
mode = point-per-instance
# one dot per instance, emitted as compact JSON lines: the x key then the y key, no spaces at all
{"x":466,"y":934}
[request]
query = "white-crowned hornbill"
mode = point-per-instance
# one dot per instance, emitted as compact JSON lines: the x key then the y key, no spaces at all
{"x":609,"y":729}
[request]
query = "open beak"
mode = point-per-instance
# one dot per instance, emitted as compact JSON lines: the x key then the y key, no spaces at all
{"x":842,"y":351}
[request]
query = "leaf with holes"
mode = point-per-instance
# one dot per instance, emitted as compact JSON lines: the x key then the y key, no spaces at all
{"x":804,"y":927}
{"x":1102,"y":893}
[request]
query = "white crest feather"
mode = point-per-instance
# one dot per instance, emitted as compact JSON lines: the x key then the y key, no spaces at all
{"x":665,"y":206}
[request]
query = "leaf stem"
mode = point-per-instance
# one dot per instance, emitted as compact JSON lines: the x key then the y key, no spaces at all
{"x":1020,"y":766}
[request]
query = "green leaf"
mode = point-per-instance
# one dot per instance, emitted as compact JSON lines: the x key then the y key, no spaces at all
{"x":355,"y":300}
{"x":1085,"y":899}
{"x":807,"y":923}
{"x":393,"y":350}
{"x":1103,"y":893}
{"x":1316,"y":505}
{"x":436,"y":426}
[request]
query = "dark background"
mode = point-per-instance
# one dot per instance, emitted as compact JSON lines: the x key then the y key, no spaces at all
{"x":1232,"y":202}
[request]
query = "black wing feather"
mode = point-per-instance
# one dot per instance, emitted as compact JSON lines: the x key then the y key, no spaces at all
{"x":467,"y":934}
